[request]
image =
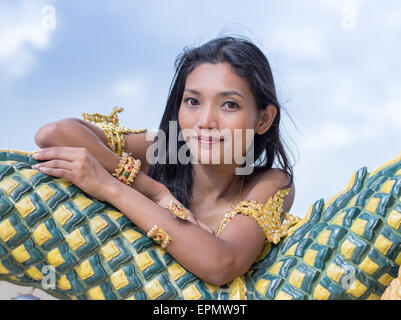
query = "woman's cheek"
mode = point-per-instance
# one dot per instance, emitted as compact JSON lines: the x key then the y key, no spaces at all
{"x":242,"y":144}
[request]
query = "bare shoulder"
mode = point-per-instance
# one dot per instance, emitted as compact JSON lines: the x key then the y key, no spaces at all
{"x":245,"y":235}
{"x":267,"y":184}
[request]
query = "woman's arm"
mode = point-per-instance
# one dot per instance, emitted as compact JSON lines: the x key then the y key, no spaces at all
{"x":73,"y":132}
{"x":196,"y":249}
{"x":214,"y":260}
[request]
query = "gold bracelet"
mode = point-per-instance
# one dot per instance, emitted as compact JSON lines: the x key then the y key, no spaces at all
{"x":121,"y":164}
{"x":151,"y":231}
{"x":134,"y":172}
{"x":124,"y":165}
{"x":159,"y":236}
{"x":127,"y":170}
{"x":179,"y":210}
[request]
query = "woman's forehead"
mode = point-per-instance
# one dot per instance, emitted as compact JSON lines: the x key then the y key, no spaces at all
{"x":218,"y":77}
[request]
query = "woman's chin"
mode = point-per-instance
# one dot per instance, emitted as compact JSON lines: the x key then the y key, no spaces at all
{"x":207,"y":159}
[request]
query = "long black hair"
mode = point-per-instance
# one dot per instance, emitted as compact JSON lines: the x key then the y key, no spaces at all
{"x":249,"y":62}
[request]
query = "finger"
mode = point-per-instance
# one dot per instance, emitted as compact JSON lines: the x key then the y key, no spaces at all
{"x":64,"y":153}
{"x":57,"y":164}
{"x":60,"y":173}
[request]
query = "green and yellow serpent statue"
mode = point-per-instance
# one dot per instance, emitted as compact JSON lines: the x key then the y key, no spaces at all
{"x":347,"y":248}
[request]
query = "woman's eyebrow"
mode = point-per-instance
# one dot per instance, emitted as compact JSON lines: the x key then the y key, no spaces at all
{"x":193,"y":91}
{"x":230,"y":93}
{"x":224,"y":94}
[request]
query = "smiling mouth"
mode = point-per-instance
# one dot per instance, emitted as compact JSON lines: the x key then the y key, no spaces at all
{"x":208,"y":140}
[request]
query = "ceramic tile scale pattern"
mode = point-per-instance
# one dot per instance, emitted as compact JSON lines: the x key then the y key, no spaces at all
{"x":347,"y":248}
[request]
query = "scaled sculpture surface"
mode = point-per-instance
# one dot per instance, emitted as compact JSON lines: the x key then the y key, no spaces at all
{"x":347,"y":248}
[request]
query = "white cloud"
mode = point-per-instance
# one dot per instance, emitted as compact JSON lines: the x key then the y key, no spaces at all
{"x":327,"y":136}
{"x":132,"y":88}
{"x":300,"y":42}
{"x":129,"y":87}
{"x":192,"y":23}
{"x":339,"y":4}
{"x":21,"y":34}
{"x":131,"y":91}
{"x":386,"y":116}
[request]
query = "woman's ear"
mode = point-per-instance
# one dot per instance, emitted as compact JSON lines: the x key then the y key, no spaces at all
{"x":266,"y":118}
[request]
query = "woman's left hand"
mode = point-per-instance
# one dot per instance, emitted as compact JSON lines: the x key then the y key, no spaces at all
{"x":78,"y":166}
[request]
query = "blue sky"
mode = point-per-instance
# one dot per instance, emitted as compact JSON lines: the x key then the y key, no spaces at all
{"x":335,"y":63}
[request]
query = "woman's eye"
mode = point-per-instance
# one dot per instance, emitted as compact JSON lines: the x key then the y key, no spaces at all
{"x":191,"y":101}
{"x":231,"y":105}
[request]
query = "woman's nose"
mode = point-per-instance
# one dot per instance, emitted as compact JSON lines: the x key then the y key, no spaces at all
{"x":207,"y":118}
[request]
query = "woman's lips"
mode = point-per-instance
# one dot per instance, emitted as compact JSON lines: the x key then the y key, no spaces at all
{"x":208,"y":140}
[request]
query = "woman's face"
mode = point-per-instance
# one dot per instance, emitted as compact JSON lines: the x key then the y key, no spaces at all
{"x":217,"y":115}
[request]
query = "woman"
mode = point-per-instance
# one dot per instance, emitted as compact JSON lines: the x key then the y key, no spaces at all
{"x":220,"y":88}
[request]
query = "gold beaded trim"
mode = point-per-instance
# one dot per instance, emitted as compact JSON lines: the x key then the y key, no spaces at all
{"x":268,"y":216}
{"x":179,"y":210}
{"x":111,"y":127}
{"x":227,"y":218}
{"x":159,"y":236}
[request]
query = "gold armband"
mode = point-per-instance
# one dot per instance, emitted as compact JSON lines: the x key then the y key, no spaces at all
{"x":179,"y":210}
{"x":111,"y":127}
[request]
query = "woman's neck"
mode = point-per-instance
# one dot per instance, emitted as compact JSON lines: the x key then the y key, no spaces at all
{"x":217,"y":182}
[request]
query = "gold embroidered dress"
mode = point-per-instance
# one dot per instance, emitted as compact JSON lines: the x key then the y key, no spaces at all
{"x":269,"y":217}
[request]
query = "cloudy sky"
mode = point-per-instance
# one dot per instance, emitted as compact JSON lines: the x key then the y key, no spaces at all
{"x":335,"y":62}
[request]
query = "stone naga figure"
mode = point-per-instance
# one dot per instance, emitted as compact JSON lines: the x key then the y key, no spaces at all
{"x":347,"y":248}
